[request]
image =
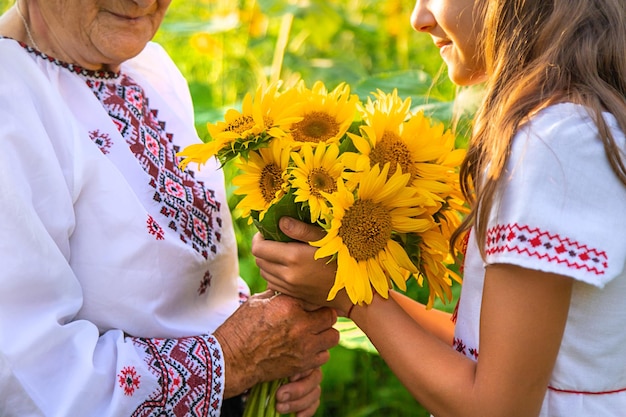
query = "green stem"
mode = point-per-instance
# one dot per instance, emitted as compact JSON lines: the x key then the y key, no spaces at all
{"x":253,"y":403}
{"x":262,"y":400}
{"x":271,"y":404}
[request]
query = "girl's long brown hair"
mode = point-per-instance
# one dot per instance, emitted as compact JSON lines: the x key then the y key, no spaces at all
{"x":537,"y":53}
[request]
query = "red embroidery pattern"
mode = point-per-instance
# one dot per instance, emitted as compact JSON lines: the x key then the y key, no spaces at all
{"x":106,"y":75}
{"x":544,"y":245}
{"x":189,"y":374}
{"x":566,"y":391}
{"x":455,"y":313}
{"x":102,"y":140}
{"x":205,"y":283}
{"x":244,"y":293}
{"x":187,"y":207}
{"x":154,"y":228}
{"x":129,"y":380}
{"x":460,"y":346}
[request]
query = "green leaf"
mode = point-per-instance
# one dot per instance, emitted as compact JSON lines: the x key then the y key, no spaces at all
{"x":438,"y":110}
{"x":352,"y":337}
{"x":286,"y":206}
{"x":409,"y":83}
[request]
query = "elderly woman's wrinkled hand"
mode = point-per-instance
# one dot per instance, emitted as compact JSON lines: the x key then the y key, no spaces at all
{"x":277,"y":334}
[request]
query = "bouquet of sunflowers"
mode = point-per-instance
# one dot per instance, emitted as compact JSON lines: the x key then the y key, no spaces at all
{"x":381,"y":180}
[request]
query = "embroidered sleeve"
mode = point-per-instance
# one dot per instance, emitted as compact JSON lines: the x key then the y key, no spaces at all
{"x":541,"y":245}
{"x":561,"y":207}
{"x":188,"y":373}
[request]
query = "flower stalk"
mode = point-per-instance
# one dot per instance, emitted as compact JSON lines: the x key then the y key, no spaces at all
{"x":261,"y":401}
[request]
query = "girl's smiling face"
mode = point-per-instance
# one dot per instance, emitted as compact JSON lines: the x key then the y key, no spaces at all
{"x":454,"y":28}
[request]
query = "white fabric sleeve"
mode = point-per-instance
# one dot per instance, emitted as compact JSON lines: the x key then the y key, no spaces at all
{"x":50,"y":363}
{"x":561,"y":207}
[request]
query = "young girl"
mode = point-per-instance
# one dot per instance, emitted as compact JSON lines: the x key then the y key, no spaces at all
{"x":540,"y":320}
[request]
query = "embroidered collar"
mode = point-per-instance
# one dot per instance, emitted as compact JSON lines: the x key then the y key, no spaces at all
{"x":83,"y":72}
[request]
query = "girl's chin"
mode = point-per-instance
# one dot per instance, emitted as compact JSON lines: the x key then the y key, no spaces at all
{"x":464,"y":77}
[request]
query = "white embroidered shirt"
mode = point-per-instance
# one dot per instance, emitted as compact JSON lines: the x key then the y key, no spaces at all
{"x":562,"y":211}
{"x":116,"y":265}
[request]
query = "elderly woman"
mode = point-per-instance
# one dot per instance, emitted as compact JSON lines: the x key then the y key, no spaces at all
{"x":119,"y":281}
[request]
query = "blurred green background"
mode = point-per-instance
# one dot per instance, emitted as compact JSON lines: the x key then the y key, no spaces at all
{"x":226,"y":48}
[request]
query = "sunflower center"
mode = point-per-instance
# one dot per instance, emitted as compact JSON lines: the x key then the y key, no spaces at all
{"x":270,"y":182}
{"x":365,"y":229}
{"x":320,"y":180}
{"x":392,"y":149}
{"x":240,"y":124}
{"x":315,"y":127}
{"x":268,"y":121}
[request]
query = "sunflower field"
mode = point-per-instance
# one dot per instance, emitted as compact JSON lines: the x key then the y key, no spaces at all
{"x":228,"y":48}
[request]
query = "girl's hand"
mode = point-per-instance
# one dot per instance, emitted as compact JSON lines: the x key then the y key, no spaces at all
{"x":291,"y":268}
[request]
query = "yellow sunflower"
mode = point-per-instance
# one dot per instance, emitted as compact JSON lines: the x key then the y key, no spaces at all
{"x":383,"y":119}
{"x":434,"y":268}
{"x":317,"y":170}
{"x":325,"y":116}
{"x":417,"y":147}
{"x":269,"y":112}
{"x":261,"y":119}
{"x":198,"y":153}
{"x":386,"y":111}
{"x":361,"y":231}
{"x":436,"y":164}
{"x":264,"y":179}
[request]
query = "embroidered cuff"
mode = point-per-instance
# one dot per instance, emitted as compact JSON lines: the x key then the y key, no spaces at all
{"x":189,"y":373}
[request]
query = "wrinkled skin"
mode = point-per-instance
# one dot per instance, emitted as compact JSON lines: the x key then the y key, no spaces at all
{"x":94,"y":34}
{"x":282,"y":337}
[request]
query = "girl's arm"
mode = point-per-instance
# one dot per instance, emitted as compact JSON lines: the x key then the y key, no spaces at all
{"x":523,"y":317}
{"x":434,"y":321}
{"x":522,"y":321}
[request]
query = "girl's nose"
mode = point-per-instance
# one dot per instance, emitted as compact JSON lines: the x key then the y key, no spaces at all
{"x":422,"y":19}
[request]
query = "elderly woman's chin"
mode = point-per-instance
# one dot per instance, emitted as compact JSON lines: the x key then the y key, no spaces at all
{"x":112,"y":51}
